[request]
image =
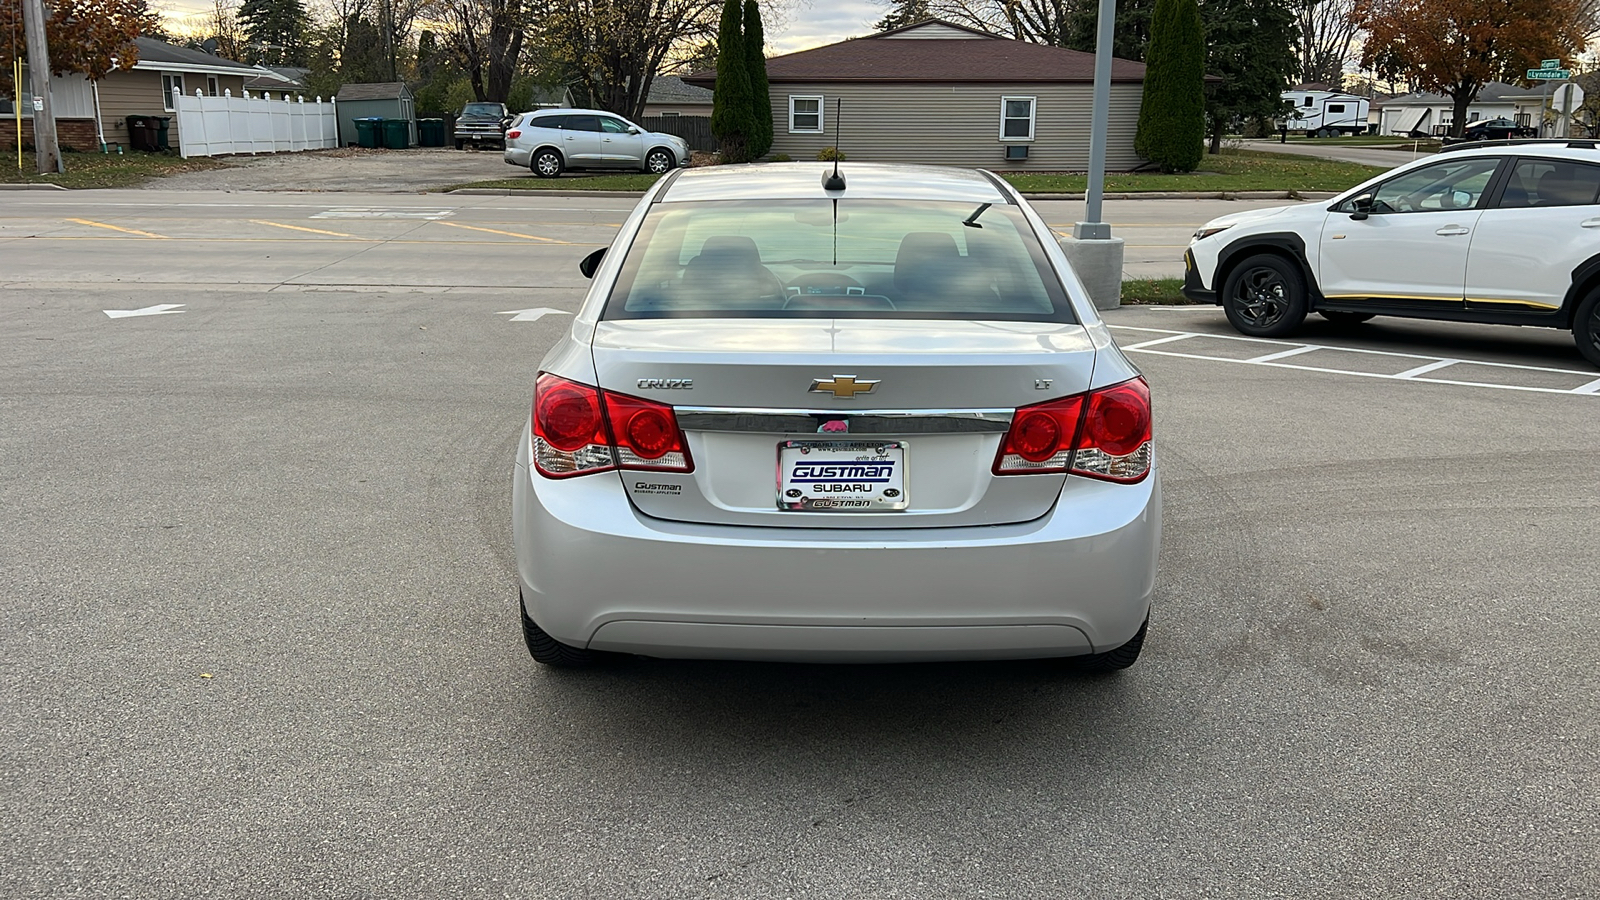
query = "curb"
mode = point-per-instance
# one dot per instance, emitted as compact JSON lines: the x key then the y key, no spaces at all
{"x":1192,"y":195}
{"x":31,"y":187}
{"x":537,"y":192}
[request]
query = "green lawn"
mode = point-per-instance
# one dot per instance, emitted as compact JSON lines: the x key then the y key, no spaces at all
{"x":1232,"y":170}
{"x":100,"y":170}
{"x":1163,"y":291}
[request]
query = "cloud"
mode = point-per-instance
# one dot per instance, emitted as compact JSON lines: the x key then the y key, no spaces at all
{"x":826,"y":22}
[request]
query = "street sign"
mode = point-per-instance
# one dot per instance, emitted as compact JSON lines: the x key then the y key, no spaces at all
{"x":1549,"y":74}
{"x":1550,"y":64}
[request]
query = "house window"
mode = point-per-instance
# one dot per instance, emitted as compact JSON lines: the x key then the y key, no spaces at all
{"x":805,"y":115}
{"x":1016,"y":118}
{"x":170,"y":86}
{"x":669,"y":115}
{"x":211,"y":86}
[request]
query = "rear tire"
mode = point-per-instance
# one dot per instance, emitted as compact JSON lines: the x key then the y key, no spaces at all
{"x":460,"y":144}
{"x":546,"y":164}
{"x":1338,"y":317}
{"x":1117,"y":658}
{"x":551,"y":652}
{"x":1586,"y":328}
{"x":1265,"y":296}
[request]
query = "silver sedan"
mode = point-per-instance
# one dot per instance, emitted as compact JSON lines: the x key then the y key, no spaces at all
{"x":865,"y":420}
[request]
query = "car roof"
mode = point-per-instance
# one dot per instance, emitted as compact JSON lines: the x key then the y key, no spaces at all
{"x":1577,"y":149}
{"x":568,"y":112}
{"x":803,"y":181}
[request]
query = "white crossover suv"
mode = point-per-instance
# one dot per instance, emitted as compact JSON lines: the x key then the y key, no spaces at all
{"x":870,"y":419}
{"x":1507,"y":234}
{"x":551,"y":141}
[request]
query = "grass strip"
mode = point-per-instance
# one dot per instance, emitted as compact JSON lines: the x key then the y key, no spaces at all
{"x":102,"y":170}
{"x":1154,"y":291}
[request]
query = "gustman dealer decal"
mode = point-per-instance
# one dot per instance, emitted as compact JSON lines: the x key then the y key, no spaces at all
{"x":880,"y":472}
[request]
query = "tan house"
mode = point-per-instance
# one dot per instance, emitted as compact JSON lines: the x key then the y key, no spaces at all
{"x":941,"y":93}
{"x":88,"y":112}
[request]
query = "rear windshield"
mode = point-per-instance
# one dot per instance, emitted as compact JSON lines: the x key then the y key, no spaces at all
{"x":483,"y":109}
{"x":880,"y":259}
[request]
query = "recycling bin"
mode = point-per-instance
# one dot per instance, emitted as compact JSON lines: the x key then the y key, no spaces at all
{"x":396,"y":134}
{"x":367,"y":132}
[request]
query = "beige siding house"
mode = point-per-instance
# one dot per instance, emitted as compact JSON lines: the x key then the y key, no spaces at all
{"x":146,"y":89}
{"x":941,"y":93}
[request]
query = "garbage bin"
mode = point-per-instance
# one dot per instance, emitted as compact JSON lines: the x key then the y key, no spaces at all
{"x":162,"y":123}
{"x":430,"y":132}
{"x":396,"y":134}
{"x":141,"y":133}
{"x":367,"y":132}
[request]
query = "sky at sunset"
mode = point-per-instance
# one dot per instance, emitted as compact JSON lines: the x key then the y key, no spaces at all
{"x":810,"y":23}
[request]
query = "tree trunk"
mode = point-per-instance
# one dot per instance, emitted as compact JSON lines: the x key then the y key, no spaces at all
{"x":1461,"y":98}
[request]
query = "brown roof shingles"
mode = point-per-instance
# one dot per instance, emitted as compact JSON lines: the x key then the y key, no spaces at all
{"x":900,"y":60}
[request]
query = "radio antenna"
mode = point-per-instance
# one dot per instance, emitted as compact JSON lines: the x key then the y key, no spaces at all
{"x":835,"y":181}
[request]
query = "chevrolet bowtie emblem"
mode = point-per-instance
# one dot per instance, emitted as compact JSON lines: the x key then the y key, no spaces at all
{"x":845,"y":386}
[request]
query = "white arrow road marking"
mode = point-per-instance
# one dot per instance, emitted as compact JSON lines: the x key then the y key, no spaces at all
{"x":160,"y":309}
{"x":531,"y":315}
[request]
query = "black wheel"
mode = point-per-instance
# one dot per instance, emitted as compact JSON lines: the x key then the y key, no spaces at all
{"x":1586,"y":327}
{"x":1265,"y":296}
{"x":1117,"y":658}
{"x":551,"y":652}
{"x":1344,"y":318}
{"x":460,"y":144}
{"x":546,"y":164}
{"x":658,"y":162}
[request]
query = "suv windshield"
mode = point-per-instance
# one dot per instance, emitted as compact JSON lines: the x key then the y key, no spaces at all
{"x":881,"y":259}
{"x":483,"y":109}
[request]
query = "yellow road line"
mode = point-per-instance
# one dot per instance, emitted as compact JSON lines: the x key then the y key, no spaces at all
{"x":531,"y":237}
{"x":120,"y":228}
{"x":301,"y":228}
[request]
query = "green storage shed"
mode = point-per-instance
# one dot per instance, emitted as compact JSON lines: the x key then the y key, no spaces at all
{"x":385,"y":100}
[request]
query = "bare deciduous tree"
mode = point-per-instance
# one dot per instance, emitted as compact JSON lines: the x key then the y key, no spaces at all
{"x":1327,"y":40}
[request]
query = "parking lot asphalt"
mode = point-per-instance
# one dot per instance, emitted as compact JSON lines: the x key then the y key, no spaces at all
{"x":256,"y":568}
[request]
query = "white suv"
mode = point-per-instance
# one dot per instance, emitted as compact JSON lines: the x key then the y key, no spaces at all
{"x":1506,"y":234}
{"x":550,"y":141}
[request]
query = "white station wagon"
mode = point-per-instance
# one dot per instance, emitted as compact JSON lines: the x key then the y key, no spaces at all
{"x":868,"y":419}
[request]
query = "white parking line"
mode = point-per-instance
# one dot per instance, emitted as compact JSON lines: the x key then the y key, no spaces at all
{"x":1276,"y":360}
{"x":1434,"y":366}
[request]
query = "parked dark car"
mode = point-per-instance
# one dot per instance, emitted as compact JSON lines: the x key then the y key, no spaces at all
{"x":1492,"y":130}
{"x":482,"y":123}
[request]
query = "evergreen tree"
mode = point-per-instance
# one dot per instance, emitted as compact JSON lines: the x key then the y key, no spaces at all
{"x":905,"y":12}
{"x":1172,"y":116}
{"x":275,"y":30}
{"x":1130,"y":33}
{"x":1251,"y":45}
{"x":731,"y":120}
{"x":760,"y":93}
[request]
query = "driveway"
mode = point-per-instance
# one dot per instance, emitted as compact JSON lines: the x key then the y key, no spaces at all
{"x":346,"y":169}
{"x":1370,"y":156}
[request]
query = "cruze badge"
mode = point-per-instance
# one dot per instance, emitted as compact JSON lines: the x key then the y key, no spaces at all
{"x":845,"y":386}
{"x":667,"y":384}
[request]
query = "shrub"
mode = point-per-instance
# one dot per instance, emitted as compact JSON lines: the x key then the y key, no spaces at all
{"x":781,"y":157}
{"x":1172,"y":116}
{"x":829,"y":154}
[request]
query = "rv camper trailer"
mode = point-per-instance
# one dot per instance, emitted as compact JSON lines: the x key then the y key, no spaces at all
{"x":1326,"y":113}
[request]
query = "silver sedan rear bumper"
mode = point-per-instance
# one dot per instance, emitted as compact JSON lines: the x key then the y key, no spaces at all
{"x":596,"y":573}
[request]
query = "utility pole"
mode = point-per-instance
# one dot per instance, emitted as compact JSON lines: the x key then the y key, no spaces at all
{"x":45,"y":150}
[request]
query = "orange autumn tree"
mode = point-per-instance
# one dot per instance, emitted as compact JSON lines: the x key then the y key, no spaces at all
{"x":1455,"y":47}
{"x":84,"y":35}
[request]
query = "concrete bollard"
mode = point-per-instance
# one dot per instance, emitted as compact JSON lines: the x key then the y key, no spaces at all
{"x":1099,"y":266}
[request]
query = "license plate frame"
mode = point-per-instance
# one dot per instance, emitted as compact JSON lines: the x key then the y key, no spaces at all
{"x":871,"y":476}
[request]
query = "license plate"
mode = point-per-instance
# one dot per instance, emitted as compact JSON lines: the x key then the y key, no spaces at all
{"x":842,"y":476}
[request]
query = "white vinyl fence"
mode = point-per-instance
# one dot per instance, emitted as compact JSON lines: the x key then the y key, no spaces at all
{"x":214,"y":126}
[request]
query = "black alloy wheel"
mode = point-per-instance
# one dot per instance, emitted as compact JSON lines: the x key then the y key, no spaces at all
{"x":658,"y":162}
{"x":1265,"y":296}
{"x":1586,"y":327}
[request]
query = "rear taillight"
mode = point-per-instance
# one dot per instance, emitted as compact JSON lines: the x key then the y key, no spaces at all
{"x":578,"y":429}
{"x":646,"y":435}
{"x":1102,"y":434}
{"x":514,"y":133}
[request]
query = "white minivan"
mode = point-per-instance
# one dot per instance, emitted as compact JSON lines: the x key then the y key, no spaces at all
{"x":550,"y":141}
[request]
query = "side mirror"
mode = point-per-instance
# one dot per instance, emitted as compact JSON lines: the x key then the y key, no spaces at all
{"x":1361,"y":208}
{"x":591,"y":262}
